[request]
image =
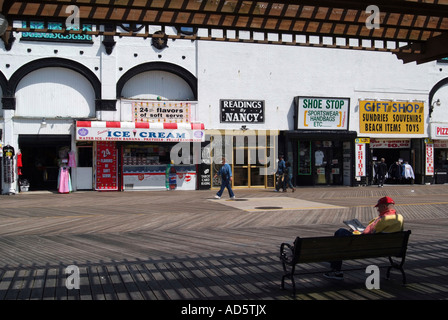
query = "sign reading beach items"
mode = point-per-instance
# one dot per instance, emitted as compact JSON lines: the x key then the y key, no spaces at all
{"x":394,"y":117}
{"x":242,"y":111}
{"x":322,"y":113}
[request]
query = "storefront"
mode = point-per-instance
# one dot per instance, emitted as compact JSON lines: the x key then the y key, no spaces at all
{"x":141,"y":156}
{"x":252,"y":155}
{"x":321,"y":147}
{"x":395,"y":131}
{"x":437,"y":153}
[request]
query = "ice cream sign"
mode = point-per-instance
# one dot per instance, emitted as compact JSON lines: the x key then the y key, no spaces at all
{"x":318,"y":113}
{"x":130,"y":131}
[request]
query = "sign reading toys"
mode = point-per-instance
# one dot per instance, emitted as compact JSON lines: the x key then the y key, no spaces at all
{"x":391,"y":117}
{"x":242,"y":111}
{"x":322,"y":113}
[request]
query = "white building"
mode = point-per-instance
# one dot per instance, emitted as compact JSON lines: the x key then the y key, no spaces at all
{"x":85,"y":96}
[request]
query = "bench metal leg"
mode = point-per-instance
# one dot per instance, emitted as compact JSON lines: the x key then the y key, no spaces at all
{"x":395,"y":265}
{"x":289,"y":275}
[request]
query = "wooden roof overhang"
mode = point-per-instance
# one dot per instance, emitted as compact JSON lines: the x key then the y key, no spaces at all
{"x":413,"y":30}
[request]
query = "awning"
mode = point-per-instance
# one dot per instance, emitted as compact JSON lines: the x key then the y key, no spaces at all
{"x":139,"y":131}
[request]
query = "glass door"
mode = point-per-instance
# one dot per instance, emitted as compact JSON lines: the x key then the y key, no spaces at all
{"x":240,"y":167}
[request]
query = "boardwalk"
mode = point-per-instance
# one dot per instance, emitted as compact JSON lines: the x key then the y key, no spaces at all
{"x":186,"y":245}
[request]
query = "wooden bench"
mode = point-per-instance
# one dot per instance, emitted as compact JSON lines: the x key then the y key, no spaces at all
{"x":326,"y":249}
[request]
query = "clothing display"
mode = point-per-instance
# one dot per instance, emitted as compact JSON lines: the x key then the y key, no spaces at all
{"x":64,"y":180}
{"x":71,"y":159}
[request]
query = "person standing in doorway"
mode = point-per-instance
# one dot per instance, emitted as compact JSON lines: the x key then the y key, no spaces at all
{"x":226,"y":179}
{"x":381,"y":172}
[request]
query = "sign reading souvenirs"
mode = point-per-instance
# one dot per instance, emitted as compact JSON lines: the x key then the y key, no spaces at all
{"x":322,"y":113}
{"x":391,"y":117}
{"x":161,"y":111}
{"x":242,"y":111}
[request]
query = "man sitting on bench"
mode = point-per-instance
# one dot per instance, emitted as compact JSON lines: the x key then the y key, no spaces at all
{"x":387,"y":221}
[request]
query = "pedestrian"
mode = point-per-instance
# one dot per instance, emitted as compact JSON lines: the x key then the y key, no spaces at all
{"x":288,"y":176}
{"x":388,"y":220}
{"x":226,"y":179}
{"x":381,"y":171}
{"x":280,"y":174}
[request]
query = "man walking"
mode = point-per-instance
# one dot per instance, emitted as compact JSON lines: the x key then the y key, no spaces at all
{"x":226,"y":179}
{"x":381,"y":171}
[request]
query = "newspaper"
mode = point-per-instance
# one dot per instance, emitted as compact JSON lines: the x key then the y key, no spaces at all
{"x":355,"y":225}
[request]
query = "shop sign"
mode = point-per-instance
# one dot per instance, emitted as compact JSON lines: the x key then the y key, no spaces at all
{"x":322,"y":113}
{"x":429,"y":159}
{"x":161,"y":111}
{"x":139,"y":134}
{"x":390,"y":143}
{"x":391,"y":117}
{"x":439,"y":131}
{"x":106,"y":166}
{"x":441,"y":144}
{"x":242,"y":111}
{"x":360,"y":159}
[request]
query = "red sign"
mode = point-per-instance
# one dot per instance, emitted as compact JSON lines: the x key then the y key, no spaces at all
{"x":106,"y":166}
{"x":429,"y":159}
{"x":360,"y":159}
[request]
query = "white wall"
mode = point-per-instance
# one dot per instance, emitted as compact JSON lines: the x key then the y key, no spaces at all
{"x":277,"y":74}
{"x":55,"y":92}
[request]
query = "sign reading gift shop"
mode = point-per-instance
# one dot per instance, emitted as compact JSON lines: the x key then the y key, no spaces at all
{"x":391,"y":117}
{"x":242,"y":111}
{"x":322,"y":113}
{"x":130,"y":131}
{"x":106,"y":166}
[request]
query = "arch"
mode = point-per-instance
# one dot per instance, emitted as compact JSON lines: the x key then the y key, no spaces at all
{"x":54,"y":62}
{"x":187,"y":76}
{"x":3,"y":83}
{"x":433,"y":91}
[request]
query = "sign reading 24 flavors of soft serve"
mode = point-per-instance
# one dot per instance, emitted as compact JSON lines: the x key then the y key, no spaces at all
{"x":322,"y":113}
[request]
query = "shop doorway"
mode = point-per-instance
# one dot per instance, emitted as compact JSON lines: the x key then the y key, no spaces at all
{"x":247,"y":166}
{"x":320,"y":163}
{"x":41,"y":158}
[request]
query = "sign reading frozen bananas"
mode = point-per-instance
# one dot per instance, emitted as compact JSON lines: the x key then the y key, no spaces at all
{"x":394,"y":117}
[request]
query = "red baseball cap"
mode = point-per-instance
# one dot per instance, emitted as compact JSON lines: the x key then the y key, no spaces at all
{"x":385,"y":200}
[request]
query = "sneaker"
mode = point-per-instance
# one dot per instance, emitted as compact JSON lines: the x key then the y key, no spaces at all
{"x":217,"y":197}
{"x":338,"y":275}
{"x":233,"y":198}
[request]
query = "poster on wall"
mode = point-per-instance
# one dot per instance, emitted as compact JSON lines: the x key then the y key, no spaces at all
{"x":106,"y":166}
{"x":319,"y":113}
{"x":391,"y":117}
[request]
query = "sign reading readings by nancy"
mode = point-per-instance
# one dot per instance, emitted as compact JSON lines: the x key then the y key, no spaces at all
{"x":391,"y":117}
{"x":322,"y":113}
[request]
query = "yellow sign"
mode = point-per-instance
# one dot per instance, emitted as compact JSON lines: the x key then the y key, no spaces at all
{"x":391,"y":117}
{"x":362,"y":140}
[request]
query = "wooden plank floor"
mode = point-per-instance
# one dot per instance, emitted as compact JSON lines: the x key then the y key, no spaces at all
{"x":184,"y":246}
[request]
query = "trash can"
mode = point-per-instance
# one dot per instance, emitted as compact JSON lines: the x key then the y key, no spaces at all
{"x":441,"y":176}
{"x":24,"y":185}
